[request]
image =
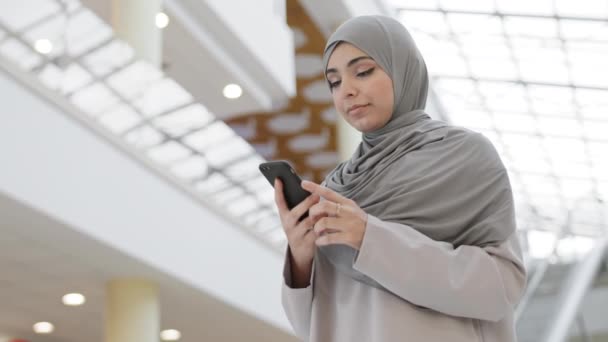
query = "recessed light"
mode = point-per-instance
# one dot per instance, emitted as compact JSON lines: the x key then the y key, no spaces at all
{"x":162,"y":20}
{"x":170,"y":335}
{"x":44,"y":46}
{"x":73,"y":299}
{"x":233,"y":91}
{"x":43,"y":328}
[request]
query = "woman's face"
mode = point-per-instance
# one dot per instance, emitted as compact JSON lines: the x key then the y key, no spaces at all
{"x":361,"y":90}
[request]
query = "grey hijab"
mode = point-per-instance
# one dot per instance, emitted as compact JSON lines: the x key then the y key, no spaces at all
{"x":447,"y":183}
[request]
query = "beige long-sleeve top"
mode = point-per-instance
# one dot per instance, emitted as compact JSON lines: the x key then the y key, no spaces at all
{"x":436,"y":292}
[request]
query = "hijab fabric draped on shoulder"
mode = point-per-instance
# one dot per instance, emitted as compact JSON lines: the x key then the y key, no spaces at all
{"x":448,"y":183}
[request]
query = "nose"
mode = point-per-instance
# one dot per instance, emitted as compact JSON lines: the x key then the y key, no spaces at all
{"x":348,"y":88}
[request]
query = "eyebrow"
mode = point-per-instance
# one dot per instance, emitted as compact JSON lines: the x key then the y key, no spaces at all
{"x":351,"y":62}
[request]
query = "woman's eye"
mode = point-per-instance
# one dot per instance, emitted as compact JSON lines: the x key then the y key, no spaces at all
{"x":366,"y":72}
{"x":334,"y":84}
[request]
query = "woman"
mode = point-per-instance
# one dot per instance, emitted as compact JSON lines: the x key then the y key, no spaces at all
{"x":413,"y":238}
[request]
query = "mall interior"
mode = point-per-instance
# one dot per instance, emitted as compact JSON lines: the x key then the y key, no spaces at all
{"x":131,"y":204}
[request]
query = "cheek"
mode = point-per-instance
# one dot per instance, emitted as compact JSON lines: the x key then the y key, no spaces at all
{"x":384,"y":93}
{"x":337,"y":104}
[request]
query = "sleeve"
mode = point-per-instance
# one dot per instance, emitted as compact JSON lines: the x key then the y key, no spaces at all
{"x":467,"y":281}
{"x":297,"y":302}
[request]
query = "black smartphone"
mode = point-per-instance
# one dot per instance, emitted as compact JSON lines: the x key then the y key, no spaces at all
{"x":292,"y":190}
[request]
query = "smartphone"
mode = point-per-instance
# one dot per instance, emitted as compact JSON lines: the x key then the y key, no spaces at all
{"x":292,"y":190}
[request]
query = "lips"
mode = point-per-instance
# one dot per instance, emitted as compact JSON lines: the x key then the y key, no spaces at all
{"x":355,"y":109}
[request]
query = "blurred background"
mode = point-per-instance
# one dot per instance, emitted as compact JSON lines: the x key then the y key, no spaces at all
{"x":131,"y":132}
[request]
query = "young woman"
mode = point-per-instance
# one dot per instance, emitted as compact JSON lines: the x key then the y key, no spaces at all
{"x":413,"y":238}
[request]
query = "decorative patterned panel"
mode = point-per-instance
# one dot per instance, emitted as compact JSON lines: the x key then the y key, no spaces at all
{"x":304,"y":131}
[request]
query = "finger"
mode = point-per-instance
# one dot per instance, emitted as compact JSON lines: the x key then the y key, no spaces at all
{"x":324,"y":208}
{"x":327,"y":225}
{"x":304,"y":227}
{"x":332,"y":239}
{"x":323,"y":191}
{"x":279,"y":198}
{"x":304,"y":206}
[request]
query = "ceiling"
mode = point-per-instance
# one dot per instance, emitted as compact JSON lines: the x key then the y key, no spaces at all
{"x":42,"y":259}
{"x":532,"y":77}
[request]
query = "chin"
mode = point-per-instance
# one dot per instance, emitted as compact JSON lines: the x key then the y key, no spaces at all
{"x":365,"y":127}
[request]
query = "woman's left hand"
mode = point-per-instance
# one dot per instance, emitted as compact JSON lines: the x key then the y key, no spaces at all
{"x":338,"y":220}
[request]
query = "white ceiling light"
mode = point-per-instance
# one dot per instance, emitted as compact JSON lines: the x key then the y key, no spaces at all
{"x":44,"y":46}
{"x":162,"y":20}
{"x":43,"y":328}
{"x":233,"y":91}
{"x":73,"y":299}
{"x":170,"y":335}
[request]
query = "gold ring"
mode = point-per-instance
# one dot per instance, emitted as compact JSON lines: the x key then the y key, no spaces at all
{"x":338,"y":209}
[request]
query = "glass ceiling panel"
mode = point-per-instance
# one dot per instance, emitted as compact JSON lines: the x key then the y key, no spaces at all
{"x":582,"y":8}
{"x":229,"y":151}
{"x":466,"y":26}
{"x":596,"y":130}
{"x":552,"y":100}
{"x":567,"y":169}
{"x":242,"y":205}
{"x":531,"y":27}
{"x":538,"y":7}
{"x":168,"y":152}
{"x":86,"y":32}
{"x":583,"y":30}
{"x":51,"y":75}
{"x":244,"y":169}
{"x":214,"y":134}
{"x":431,"y":23}
{"x":192,"y":168}
{"x":120,"y":119}
{"x":26,"y":13}
{"x":183,"y":120}
{"x":160,"y":96}
{"x":473,"y":118}
{"x":277,"y":236}
{"x":227,"y":196}
{"x":593,"y":104}
{"x":73,"y":78}
{"x":266,"y":198}
{"x":94,"y":98}
{"x":603,"y":188}
{"x":256,"y":185}
{"x":144,"y":137}
{"x":515,"y":122}
{"x":552,"y":126}
{"x":109,"y":57}
{"x":421,"y":4}
{"x":19,"y":53}
{"x":468,"y":5}
{"x":253,"y":217}
{"x":533,"y":79}
{"x":541,"y":185}
{"x":132,"y":81}
{"x":267,"y":225}
{"x":213,"y":183}
{"x":501,"y":96}
{"x":588,"y":67}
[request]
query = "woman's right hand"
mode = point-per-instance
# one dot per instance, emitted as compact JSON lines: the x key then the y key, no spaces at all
{"x":300,"y":235}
